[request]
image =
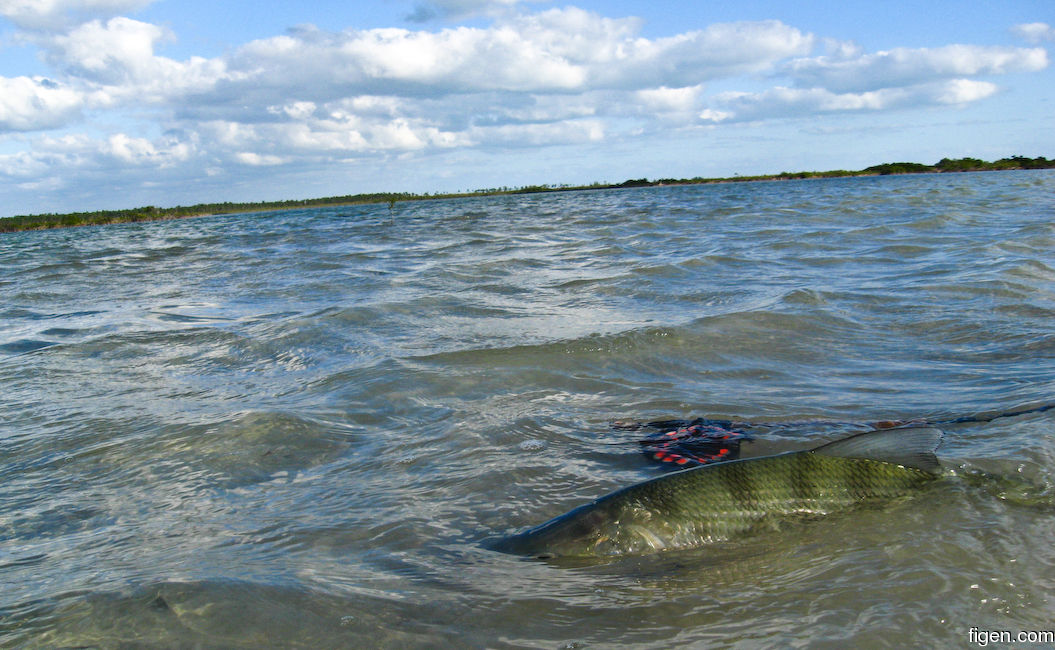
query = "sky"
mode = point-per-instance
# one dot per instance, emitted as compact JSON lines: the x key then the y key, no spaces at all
{"x":109,"y":104}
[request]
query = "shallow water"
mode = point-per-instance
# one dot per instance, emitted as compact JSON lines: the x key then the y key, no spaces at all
{"x":300,"y":428}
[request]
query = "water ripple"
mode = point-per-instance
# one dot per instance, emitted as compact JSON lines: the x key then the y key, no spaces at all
{"x":297,"y":428}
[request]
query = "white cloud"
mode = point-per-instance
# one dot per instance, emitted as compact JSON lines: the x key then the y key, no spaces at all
{"x":27,"y":164}
{"x":120,"y":49}
{"x":460,"y":59}
{"x":118,"y":57}
{"x":399,"y":134}
{"x":130,"y":149}
{"x":368,"y":105}
{"x":396,"y":60}
{"x":295,"y":110}
{"x":559,"y":50}
{"x":783,"y":102}
{"x":77,"y":159}
{"x":841,"y":50}
{"x":963,"y":91}
{"x":540,"y":68}
{"x":311,"y":98}
{"x":663,"y":99}
{"x":786,"y":102}
{"x":28,"y":104}
{"x":712,"y":115}
{"x":165,"y":152}
{"x":331,"y":130}
{"x":1034,"y":32}
{"x":904,"y":67}
{"x":849,"y":80}
{"x":318,"y":137}
{"x":612,"y":55}
{"x":541,"y":108}
{"x":258,"y":160}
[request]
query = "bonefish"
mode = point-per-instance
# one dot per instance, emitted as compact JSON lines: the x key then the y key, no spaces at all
{"x":716,"y":502}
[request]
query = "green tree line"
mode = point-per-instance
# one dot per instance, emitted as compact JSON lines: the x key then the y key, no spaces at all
{"x":152,"y":213}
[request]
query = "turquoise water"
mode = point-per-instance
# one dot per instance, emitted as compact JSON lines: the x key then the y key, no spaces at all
{"x":299,"y":428}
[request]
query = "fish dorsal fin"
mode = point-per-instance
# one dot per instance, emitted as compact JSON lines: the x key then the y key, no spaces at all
{"x":912,"y":447}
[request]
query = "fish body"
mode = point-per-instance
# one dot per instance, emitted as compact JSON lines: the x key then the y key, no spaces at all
{"x":717,"y":502}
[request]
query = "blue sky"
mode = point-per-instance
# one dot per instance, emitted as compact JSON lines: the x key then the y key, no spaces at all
{"x":121,"y":103}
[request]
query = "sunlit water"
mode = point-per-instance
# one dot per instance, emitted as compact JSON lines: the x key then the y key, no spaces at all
{"x":300,"y":428}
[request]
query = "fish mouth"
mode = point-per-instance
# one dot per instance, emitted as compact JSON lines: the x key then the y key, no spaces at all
{"x":549,"y":541}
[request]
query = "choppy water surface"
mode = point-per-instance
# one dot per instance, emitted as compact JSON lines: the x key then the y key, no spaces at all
{"x":299,"y":428}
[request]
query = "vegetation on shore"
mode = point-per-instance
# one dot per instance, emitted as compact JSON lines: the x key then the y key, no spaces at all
{"x":151,"y":213}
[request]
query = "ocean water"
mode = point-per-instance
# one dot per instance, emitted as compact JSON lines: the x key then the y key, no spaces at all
{"x":300,"y":429}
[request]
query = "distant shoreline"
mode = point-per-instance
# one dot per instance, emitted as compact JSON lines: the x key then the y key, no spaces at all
{"x":151,"y":213}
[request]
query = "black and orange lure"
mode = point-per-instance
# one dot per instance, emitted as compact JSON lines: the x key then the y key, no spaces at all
{"x":680,"y":444}
{"x":691,"y":443}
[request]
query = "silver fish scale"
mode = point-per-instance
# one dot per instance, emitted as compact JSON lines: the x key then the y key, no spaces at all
{"x":713,"y":503}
